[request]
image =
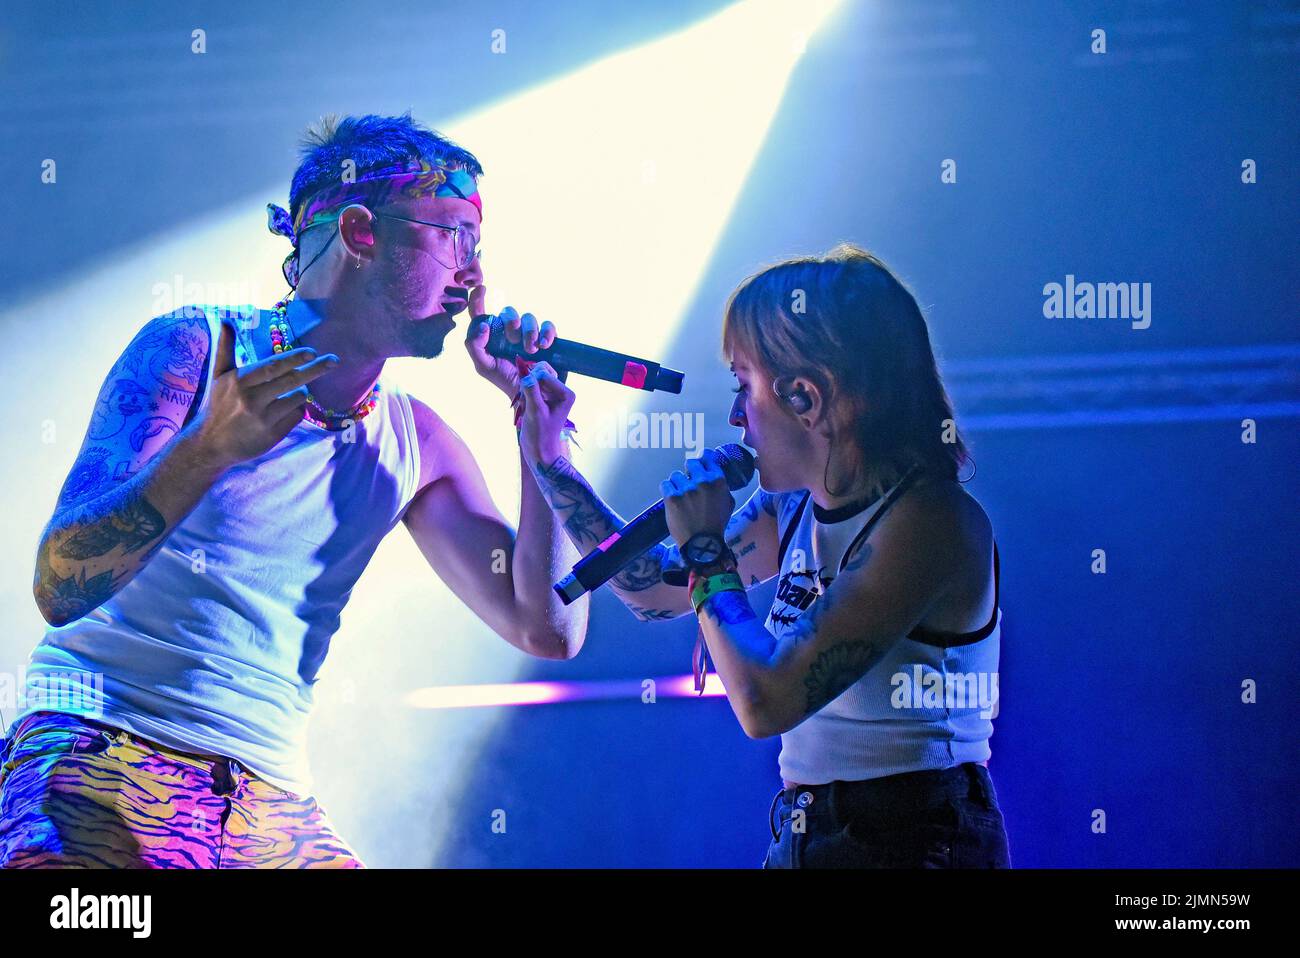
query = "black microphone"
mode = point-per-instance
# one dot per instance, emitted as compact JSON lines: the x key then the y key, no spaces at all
{"x":642,"y":533}
{"x":566,"y":356}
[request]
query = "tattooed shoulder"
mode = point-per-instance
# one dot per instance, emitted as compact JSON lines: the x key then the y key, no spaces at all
{"x":173,"y":348}
{"x":143,"y":402}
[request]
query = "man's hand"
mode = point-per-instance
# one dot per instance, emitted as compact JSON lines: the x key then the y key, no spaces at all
{"x":502,"y":372}
{"x":699,"y":499}
{"x":253,"y":408}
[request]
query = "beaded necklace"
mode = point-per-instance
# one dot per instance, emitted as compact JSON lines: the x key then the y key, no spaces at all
{"x":282,"y":340}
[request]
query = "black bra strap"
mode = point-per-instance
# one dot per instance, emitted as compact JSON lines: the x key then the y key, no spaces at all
{"x":966,"y":638}
{"x":894,"y":495}
{"x":789,"y":530}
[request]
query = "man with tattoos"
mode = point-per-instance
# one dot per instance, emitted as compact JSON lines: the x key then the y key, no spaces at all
{"x":877,"y":662}
{"x":238,"y":473}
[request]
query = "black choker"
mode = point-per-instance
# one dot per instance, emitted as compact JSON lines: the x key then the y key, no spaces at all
{"x":840,"y":513}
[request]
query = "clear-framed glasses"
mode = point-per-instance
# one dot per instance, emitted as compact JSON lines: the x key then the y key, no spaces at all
{"x":464,"y":242}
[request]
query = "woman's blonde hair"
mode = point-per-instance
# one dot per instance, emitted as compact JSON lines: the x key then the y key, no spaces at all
{"x":845,"y":322}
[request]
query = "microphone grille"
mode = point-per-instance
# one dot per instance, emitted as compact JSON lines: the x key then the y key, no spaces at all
{"x":737,"y":465}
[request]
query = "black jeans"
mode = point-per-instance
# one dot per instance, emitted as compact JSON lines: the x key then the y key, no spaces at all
{"x":948,"y":818}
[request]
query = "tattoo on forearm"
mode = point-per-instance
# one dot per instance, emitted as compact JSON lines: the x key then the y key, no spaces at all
{"x":589,"y":521}
{"x":744,"y":519}
{"x":130,"y":523}
{"x":585,"y":517}
{"x":642,"y":573}
{"x":70,"y":597}
{"x":729,"y":608}
{"x":649,"y":615}
{"x":122,"y":520}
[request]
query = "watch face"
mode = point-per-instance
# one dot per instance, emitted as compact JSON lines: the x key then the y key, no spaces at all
{"x":702,"y":549}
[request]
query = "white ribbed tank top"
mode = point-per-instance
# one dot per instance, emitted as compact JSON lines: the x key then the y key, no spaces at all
{"x":928,"y":704}
{"x":215,"y":645}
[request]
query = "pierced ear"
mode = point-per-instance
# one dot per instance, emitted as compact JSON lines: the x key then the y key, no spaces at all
{"x":359,"y":230}
{"x":821,"y":406}
{"x":792,"y":393}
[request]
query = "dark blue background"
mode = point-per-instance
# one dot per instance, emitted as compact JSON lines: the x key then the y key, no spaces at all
{"x":1119,"y":692}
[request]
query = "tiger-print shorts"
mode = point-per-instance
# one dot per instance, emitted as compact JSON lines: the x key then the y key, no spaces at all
{"x":79,"y":793}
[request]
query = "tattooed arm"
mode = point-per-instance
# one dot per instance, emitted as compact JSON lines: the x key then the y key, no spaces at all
{"x":751,"y":533}
{"x":144,"y":465}
{"x":927,"y":543}
{"x":137,"y":474}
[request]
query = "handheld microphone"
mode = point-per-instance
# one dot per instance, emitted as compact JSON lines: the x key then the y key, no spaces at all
{"x":642,"y":533}
{"x":566,"y":356}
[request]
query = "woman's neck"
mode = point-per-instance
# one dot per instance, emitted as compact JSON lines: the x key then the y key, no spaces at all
{"x":849,"y":502}
{"x":850,"y":490}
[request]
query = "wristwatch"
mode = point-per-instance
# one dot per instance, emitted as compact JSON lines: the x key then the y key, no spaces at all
{"x":708,"y":551}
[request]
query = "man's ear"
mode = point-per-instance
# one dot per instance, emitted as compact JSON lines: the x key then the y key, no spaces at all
{"x":356,"y":230}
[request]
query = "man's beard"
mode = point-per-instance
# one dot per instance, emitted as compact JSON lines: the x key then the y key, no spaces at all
{"x":417,"y":333}
{"x":425,"y":339}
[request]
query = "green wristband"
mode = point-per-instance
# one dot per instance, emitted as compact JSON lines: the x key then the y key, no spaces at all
{"x":706,"y":588}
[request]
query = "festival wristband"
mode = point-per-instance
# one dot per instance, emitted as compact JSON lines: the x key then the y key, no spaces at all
{"x":701,"y":588}
{"x":704,"y":588}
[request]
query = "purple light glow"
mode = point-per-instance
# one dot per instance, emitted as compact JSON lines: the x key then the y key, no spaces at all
{"x":547,"y":693}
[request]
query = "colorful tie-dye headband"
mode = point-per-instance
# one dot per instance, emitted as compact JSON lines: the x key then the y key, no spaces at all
{"x":414,"y":180}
